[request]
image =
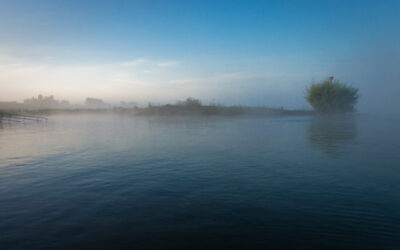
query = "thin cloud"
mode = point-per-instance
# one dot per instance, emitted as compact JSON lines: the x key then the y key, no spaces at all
{"x":137,"y":62}
{"x":167,"y":64}
{"x":214,"y":79}
{"x":149,"y":63}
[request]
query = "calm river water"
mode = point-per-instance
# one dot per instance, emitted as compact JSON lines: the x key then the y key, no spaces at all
{"x":115,"y":181}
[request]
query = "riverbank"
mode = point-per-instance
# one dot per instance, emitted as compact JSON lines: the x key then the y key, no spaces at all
{"x":170,"y":110}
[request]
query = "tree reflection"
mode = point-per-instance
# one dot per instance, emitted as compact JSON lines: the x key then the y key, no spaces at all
{"x":332,"y":133}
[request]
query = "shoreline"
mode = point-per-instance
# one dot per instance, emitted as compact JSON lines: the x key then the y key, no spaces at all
{"x":169,"y":110}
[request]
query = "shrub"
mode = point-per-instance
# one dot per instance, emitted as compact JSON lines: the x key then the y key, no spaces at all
{"x":192,"y":102}
{"x":331,"y":96}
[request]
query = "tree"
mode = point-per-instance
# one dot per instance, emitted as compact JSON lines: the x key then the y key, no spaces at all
{"x":192,"y":102}
{"x":331,"y":96}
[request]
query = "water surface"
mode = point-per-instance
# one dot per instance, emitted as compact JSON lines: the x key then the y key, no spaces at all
{"x":110,"y":181}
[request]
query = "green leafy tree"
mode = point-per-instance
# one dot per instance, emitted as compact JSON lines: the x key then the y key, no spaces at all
{"x":331,"y":96}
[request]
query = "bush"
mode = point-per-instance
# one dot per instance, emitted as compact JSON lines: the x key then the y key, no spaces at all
{"x":192,"y":102}
{"x":331,"y":96}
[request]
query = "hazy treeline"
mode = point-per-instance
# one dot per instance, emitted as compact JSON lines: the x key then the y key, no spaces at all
{"x":43,"y":102}
{"x":328,"y":96}
{"x":39,"y":103}
{"x":191,"y":106}
{"x":50,"y":103}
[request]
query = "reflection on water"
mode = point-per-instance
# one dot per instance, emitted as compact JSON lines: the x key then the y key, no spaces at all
{"x":331,"y":134}
{"x":113,"y":182}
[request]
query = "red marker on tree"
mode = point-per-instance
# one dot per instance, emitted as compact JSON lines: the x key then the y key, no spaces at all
{"x":330,"y":78}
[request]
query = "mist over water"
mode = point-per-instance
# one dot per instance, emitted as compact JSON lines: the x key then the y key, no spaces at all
{"x":102,"y":181}
{"x":199,"y":124}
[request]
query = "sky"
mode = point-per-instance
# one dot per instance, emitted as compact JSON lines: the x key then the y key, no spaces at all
{"x":228,"y":52}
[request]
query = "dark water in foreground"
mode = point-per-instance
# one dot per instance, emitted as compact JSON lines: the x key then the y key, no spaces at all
{"x":119,"y":181}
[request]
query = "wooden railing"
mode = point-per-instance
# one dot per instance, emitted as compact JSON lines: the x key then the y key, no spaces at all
{"x":14,"y":117}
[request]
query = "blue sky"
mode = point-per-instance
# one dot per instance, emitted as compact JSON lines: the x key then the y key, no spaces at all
{"x":233,"y":52}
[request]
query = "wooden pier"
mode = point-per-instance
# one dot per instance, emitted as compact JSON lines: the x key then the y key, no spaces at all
{"x":20,"y":118}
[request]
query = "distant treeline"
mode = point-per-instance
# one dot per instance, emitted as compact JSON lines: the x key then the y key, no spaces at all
{"x":39,"y":103}
{"x":191,"y":106}
{"x":326,"y":97}
{"x":194,"y":107}
{"x":50,"y":103}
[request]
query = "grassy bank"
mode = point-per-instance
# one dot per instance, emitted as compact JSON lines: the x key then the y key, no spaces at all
{"x":169,"y":110}
{"x":190,"y":107}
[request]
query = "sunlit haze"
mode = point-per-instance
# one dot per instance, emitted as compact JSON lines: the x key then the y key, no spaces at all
{"x":230,"y":52}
